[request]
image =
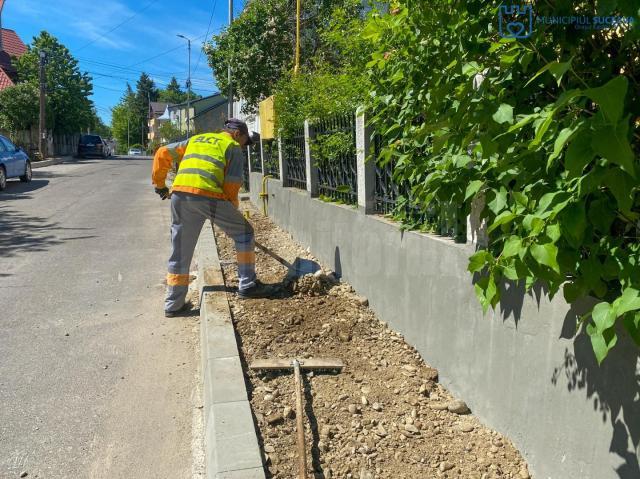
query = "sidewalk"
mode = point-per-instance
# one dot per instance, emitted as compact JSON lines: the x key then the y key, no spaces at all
{"x":51,"y":161}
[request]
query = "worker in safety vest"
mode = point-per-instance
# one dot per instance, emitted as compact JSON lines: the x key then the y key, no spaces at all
{"x":206,"y":186}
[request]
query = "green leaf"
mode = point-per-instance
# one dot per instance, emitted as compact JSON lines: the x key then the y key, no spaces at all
{"x":553,"y":232}
{"x":478,"y":261}
{"x":471,"y":68}
{"x":573,"y":223}
{"x":629,"y":301}
{"x":498,"y":203}
{"x":603,"y":316}
{"x":473,"y":188}
{"x":602,"y":342}
{"x":512,"y":247}
{"x":541,"y":130}
{"x":632,"y":325}
{"x":546,"y":254}
{"x":524,"y":120}
{"x":504,"y":114}
{"x":601,"y":215}
{"x":557,"y":69}
{"x":610,"y":97}
{"x":572,"y":291}
{"x":579,"y":154}
{"x":561,"y":140}
{"x":533,"y":224}
{"x":621,"y":185}
{"x":503,"y":218}
{"x":612,"y":143}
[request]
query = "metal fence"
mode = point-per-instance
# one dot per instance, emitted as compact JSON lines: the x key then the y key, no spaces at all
{"x":293,"y":151}
{"x":337,"y":170}
{"x":270,"y":158}
{"x":393,"y":196}
{"x":255,"y":158}
{"x":245,"y":168}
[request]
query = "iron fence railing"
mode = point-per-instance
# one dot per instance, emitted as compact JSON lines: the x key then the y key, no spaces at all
{"x":334,"y":153}
{"x":254,"y":158}
{"x":293,"y":151}
{"x":394,"y":196}
{"x":245,"y":168}
{"x":270,"y":158}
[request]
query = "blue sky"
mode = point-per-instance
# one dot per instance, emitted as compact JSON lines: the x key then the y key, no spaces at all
{"x":146,"y":41}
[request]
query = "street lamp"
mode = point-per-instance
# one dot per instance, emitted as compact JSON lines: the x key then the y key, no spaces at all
{"x":188,"y":84}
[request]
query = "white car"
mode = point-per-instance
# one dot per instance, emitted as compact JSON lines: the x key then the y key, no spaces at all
{"x":135,"y":152}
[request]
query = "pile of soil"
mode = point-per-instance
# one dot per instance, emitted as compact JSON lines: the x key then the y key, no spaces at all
{"x":384,"y":416}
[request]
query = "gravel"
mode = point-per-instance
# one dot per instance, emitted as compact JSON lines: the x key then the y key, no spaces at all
{"x":385,"y":416}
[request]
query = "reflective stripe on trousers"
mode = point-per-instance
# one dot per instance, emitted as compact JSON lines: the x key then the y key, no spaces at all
{"x":188,"y":214}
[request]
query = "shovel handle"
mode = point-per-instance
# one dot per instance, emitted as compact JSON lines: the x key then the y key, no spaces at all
{"x":302,"y":450}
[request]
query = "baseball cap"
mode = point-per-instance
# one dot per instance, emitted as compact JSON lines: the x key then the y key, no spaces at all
{"x":235,"y":124}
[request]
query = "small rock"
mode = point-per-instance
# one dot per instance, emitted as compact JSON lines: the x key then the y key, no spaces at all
{"x":376,"y":406}
{"x":24,"y":474}
{"x":353,"y":409}
{"x":431,"y":374}
{"x":365,"y":390}
{"x":458,"y":407}
{"x":466,"y":427}
{"x":410,"y":368}
{"x":438,"y":406}
{"x":322,"y":446}
{"x":344,"y":337}
{"x":524,"y":473}
{"x":269,"y":449}
{"x":319,"y":274}
{"x":494,"y":449}
{"x":268,"y":397}
{"x":275,"y":418}
{"x":411,"y":428}
{"x":364,"y":400}
{"x":325,"y":432}
{"x":364,"y":474}
{"x":445,"y":466}
{"x":288,"y":413}
{"x":66,"y":334}
{"x":362,"y":301}
{"x":380,"y":431}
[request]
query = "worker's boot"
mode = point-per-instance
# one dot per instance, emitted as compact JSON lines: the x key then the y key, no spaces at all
{"x":258,"y":290}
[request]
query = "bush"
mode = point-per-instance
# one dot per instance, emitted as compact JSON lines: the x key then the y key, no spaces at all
{"x":544,"y":129}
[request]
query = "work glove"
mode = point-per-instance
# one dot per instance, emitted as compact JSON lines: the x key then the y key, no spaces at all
{"x":163,"y":192}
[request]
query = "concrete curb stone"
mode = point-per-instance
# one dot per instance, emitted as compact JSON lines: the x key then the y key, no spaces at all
{"x":231,"y":443}
{"x":53,"y":161}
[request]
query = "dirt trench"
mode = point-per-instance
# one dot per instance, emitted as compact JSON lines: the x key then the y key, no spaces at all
{"x":385,"y":416}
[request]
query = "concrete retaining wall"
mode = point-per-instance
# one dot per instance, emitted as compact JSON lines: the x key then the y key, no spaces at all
{"x":519,"y":368}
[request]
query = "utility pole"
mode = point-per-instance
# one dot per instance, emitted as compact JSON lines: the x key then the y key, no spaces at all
{"x":1,"y":7}
{"x":230,"y":95}
{"x":42,"y":133}
{"x":188,"y":85}
{"x":128,"y":132}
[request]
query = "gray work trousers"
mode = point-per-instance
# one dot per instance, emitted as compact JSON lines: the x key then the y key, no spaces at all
{"x":188,"y":214}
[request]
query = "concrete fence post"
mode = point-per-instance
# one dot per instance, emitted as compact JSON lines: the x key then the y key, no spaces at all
{"x":282,"y":165}
{"x":249,"y":153}
{"x":366,"y":170}
{"x":312,"y":168}
{"x":477,"y":235}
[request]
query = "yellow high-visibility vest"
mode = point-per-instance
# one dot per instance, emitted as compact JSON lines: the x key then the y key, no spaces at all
{"x":204,"y":162}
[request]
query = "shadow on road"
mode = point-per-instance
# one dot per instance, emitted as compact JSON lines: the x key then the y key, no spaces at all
{"x":17,"y":190}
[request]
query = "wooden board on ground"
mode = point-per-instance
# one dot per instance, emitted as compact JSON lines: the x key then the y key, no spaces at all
{"x":312,"y":363}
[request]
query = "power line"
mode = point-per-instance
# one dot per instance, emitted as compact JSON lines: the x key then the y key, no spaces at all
{"x":161,"y":54}
{"x":206,"y":35}
{"x":152,"y":74}
{"x":117,"y":26}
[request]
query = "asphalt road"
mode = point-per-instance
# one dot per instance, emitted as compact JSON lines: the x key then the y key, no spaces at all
{"x":94,"y":381}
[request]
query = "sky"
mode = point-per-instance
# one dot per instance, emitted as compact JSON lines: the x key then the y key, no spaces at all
{"x":116,"y":40}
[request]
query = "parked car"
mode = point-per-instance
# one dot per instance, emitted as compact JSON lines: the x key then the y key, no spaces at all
{"x":135,"y":152}
{"x":92,"y":145}
{"x":14,"y":163}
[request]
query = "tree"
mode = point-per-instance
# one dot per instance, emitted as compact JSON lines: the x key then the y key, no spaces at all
{"x":169,"y":132}
{"x":124,"y":127}
{"x":19,"y":107}
{"x":146,"y":92}
{"x":173,"y":93}
{"x":69,"y":108}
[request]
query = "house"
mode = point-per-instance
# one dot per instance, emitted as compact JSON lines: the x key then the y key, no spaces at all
{"x":206,"y":114}
{"x":10,"y":46}
{"x":158,"y":114}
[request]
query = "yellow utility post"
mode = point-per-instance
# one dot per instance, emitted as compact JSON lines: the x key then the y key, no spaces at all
{"x":298,"y":8}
